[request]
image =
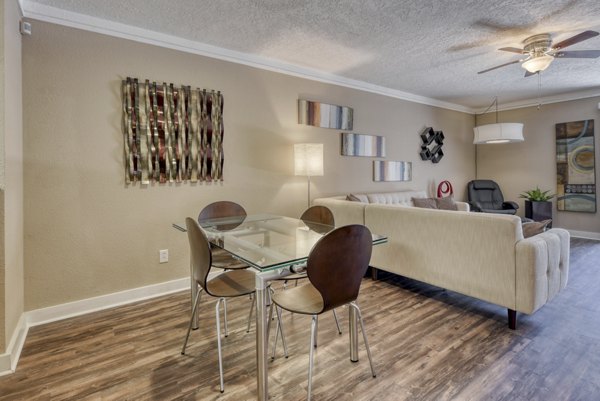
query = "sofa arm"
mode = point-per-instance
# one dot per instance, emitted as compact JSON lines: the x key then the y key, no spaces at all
{"x":510,"y":205}
{"x":542,"y":268}
{"x":463,"y":206}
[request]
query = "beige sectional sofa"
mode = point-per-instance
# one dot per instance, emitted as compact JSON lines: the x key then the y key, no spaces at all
{"x":477,"y":254}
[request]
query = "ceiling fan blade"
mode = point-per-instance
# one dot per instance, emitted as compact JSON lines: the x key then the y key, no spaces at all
{"x":575,"y":39}
{"x":512,"y":50}
{"x":499,"y":66}
{"x":528,"y":74}
{"x":578,"y":54}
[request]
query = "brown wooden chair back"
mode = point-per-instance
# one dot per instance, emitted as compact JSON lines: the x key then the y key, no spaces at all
{"x":318,"y":214}
{"x":222,"y":209}
{"x":201,"y":256}
{"x":338,"y":262}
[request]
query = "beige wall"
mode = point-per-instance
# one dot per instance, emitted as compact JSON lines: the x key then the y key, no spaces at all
{"x":88,"y":234}
{"x":13,"y":155}
{"x":521,"y":166}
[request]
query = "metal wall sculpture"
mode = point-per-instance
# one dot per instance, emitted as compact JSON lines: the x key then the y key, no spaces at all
{"x":431,"y":147}
{"x":392,"y":171}
{"x":172,"y":134}
{"x":325,"y":115}
{"x":575,"y":166}
{"x":363,"y":145}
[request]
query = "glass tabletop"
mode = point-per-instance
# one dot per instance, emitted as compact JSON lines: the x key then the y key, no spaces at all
{"x":266,"y":241}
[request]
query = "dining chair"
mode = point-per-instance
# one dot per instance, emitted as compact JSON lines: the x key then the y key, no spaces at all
{"x":335,"y":268}
{"x":319,"y":219}
{"x":229,"y":284}
{"x":221,"y":209}
{"x":222,"y":259}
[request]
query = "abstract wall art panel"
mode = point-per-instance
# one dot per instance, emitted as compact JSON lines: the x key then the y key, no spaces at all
{"x":324,"y":115}
{"x":392,"y":171}
{"x":171,"y":134}
{"x":363,"y":145}
{"x":575,"y":167}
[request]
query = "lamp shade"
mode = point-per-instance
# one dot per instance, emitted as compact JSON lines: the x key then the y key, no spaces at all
{"x":308,"y":159}
{"x":537,"y":64}
{"x":498,"y":133}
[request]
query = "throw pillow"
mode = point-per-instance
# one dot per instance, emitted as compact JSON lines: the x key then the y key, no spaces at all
{"x":427,"y":203}
{"x":446,"y":203}
{"x":352,"y":198}
{"x":534,"y":228}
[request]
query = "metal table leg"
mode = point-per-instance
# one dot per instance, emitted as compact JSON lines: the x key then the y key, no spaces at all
{"x":261,"y":339}
{"x":353,"y":334}
{"x":262,"y":282}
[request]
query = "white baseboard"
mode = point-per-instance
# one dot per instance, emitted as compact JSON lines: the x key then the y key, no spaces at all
{"x":81,"y":307}
{"x":584,"y":234}
{"x":9,"y":360}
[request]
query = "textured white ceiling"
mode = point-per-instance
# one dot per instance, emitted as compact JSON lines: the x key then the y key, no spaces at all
{"x":431,"y":48}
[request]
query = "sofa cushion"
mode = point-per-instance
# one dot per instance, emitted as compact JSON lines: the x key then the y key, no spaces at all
{"x":535,"y":227}
{"x":426,"y":203}
{"x":403,"y":198}
{"x":357,"y":198}
{"x":446,"y":203}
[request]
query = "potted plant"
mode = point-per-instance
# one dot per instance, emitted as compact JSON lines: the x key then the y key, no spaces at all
{"x":537,"y":204}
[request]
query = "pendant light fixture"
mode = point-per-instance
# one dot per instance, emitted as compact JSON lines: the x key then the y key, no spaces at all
{"x":497,"y":132}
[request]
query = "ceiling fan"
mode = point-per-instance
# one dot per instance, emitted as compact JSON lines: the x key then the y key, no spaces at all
{"x":541,"y":52}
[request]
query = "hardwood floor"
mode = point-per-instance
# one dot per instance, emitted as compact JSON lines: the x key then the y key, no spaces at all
{"x":427,"y":344}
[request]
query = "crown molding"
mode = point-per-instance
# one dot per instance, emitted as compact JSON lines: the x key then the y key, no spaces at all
{"x":563,"y":97}
{"x":71,"y":19}
{"x":41,"y":12}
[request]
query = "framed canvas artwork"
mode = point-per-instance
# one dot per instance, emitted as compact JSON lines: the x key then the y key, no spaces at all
{"x":575,"y":167}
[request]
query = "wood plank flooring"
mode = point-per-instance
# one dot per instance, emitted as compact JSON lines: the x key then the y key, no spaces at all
{"x":427,"y":343}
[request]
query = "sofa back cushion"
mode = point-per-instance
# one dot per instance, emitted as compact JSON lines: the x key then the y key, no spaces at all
{"x":402,"y":198}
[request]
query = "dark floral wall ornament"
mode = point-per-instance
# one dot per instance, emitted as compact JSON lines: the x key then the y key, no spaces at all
{"x":431,"y":146}
{"x":171,"y":134}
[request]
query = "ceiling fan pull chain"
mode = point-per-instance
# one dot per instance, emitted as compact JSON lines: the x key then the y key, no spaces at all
{"x":539,"y":90}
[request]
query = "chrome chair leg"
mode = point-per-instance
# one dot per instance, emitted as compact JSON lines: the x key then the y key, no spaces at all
{"x":316,"y":331}
{"x":225,"y":316}
{"x":336,"y":321}
{"x":313,"y":339}
{"x":194,"y":309}
{"x":250,"y":314}
{"x":217,"y":314}
{"x":364,"y":333}
{"x":285,"y":349}
{"x":276,"y":329}
{"x":279,"y":330}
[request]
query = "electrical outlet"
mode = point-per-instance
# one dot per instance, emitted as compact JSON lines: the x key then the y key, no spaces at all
{"x":163,"y":256}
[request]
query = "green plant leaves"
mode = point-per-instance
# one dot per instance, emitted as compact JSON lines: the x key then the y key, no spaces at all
{"x":537,"y":195}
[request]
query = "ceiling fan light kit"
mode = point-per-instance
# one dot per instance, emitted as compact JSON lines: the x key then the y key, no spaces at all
{"x":540,"y":52}
{"x":537,"y":64}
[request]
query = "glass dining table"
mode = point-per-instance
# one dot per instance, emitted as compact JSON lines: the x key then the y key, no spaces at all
{"x":275,"y":246}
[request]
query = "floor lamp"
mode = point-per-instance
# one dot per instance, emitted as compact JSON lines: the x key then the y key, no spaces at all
{"x":308,"y":161}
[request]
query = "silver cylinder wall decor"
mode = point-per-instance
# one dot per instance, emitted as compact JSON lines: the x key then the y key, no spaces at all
{"x":363,"y":145}
{"x":171,"y":134}
{"x":391,"y":171}
{"x":325,"y":115}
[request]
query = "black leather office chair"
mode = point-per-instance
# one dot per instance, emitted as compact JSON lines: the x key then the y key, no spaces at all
{"x":486,"y":196}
